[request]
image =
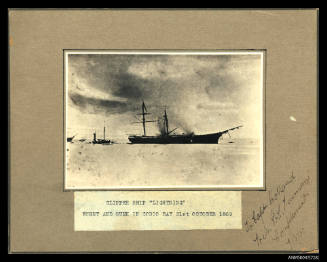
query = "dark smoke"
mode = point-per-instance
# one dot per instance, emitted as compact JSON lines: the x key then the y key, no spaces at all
{"x":96,"y":105}
{"x":161,"y":126}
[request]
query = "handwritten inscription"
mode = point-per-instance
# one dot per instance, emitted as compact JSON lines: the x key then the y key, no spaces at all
{"x":274,"y":217}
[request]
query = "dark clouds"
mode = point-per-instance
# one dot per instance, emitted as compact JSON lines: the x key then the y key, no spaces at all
{"x":130,"y":86}
{"x":96,"y":105}
{"x":189,"y":86}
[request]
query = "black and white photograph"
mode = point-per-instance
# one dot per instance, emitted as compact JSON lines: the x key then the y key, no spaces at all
{"x":163,"y":119}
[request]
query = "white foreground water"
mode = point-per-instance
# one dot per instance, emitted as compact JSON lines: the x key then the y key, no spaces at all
{"x":90,"y":166}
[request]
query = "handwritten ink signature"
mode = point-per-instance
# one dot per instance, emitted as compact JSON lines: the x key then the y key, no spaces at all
{"x":278,"y":212}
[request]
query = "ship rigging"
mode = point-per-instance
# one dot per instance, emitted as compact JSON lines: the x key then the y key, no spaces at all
{"x":166,"y":136}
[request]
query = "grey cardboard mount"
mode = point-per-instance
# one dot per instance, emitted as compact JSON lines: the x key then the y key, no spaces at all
{"x":42,"y":214}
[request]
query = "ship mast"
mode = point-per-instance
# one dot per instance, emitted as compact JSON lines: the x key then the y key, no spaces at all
{"x":144,"y":112}
{"x":167,"y":132}
{"x":143,"y":117}
{"x":104,"y":130}
{"x":166,"y":122}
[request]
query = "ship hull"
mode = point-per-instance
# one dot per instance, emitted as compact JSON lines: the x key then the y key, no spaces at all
{"x":206,"y":139}
{"x":176,"y":139}
{"x":101,"y":141}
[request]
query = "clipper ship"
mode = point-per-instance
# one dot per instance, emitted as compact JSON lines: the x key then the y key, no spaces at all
{"x":166,"y":136}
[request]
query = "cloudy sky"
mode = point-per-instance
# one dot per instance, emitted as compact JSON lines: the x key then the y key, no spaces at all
{"x":202,"y":93}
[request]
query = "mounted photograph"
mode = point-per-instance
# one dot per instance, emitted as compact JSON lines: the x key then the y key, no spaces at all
{"x":160,"y":120}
